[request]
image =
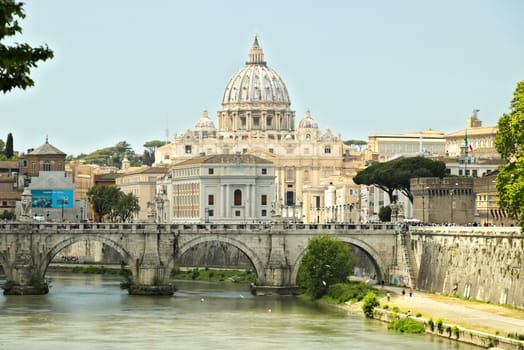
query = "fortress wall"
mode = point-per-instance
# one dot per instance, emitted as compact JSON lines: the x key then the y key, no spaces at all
{"x":482,"y":265}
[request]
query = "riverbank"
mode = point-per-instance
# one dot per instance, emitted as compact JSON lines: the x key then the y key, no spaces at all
{"x":482,"y":324}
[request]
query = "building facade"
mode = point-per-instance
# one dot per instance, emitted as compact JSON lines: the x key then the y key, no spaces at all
{"x":223,"y":188}
{"x":141,"y":182}
{"x":256,"y":119}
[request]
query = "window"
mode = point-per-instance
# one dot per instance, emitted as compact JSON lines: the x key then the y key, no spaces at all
{"x":290,"y":175}
{"x":211,"y":199}
{"x":166,"y":156}
{"x":306,"y":175}
{"x":264,"y":171}
{"x":237,"y":212}
{"x":271,"y":150}
{"x":238,"y":197}
{"x":327,"y":149}
{"x":188,"y":148}
{"x":47,"y":166}
{"x":244,"y":150}
{"x":24,"y":163}
{"x":211,"y":171}
{"x":211,"y":212}
{"x":264,"y":212}
{"x":290,"y":198}
{"x":263,"y":200}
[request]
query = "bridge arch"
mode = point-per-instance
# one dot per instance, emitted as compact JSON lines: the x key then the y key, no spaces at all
{"x":375,"y":258}
{"x":58,"y":246}
{"x":251,"y":255}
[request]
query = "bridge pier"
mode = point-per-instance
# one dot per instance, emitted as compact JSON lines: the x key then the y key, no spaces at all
{"x":151,"y":280}
{"x":25,"y":279}
{"x":277,"y":273}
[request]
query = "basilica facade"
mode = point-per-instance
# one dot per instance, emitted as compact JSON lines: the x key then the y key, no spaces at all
{"x":256,"y":119}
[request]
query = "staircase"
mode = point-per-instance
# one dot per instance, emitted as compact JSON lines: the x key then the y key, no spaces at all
{"x":409,"y":257}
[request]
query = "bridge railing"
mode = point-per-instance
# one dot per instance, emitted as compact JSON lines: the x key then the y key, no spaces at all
{"x":190,"y":228}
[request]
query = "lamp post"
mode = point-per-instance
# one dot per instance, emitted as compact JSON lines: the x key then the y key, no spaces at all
{"x":452,"y":192}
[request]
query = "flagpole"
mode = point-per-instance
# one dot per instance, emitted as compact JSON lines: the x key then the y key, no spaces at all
{"x":466,"y":141}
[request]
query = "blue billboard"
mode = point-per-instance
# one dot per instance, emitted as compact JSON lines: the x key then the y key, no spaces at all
{"x":52,"y":198}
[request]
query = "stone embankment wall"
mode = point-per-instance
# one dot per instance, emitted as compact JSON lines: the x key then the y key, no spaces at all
{"x":481,"y":263}
{"x":449,"y":331}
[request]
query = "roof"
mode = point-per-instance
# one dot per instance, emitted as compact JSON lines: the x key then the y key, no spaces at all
{"x":145,"y":170}
{"x":481,"y":130}
{"x":46,"y":149}
{"x":225,"y":159}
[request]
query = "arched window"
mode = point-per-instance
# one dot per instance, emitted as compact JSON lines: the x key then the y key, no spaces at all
{"x":238,"y":197}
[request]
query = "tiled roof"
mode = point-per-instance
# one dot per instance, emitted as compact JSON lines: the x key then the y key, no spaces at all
{"x":46,"y":149}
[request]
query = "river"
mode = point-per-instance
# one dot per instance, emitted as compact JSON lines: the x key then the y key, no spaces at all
{"x":92,"y":312}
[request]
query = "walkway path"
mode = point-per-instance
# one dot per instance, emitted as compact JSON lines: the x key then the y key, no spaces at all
{"x":467,"y":314}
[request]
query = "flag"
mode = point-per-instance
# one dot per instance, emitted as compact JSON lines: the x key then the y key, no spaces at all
{"x":469,"y":147}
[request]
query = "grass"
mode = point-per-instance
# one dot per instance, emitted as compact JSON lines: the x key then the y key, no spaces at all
{"x":352,"y":292}
{"x":100,"y":270}
{"x":406,"y":325}
{"x":206,"y":274}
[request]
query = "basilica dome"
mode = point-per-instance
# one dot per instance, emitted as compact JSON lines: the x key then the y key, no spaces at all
{"x":256,"y":82}
{"x":307,"y":122}
{"x":204,"y":122}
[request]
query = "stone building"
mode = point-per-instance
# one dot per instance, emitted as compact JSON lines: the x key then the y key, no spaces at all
{"x":44,"y":158}
{"x":450,"y":200}
{"x":142,"y":183}
{"x":384,"y":147}
{"x":222,"y":188}
{"x":11,"y":186}
{"x":479,"y":156}
{"x":256,"y":119}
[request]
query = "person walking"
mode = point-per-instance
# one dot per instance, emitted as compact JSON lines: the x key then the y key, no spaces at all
{"x":388,"y":295}
{"x":410,"y":292}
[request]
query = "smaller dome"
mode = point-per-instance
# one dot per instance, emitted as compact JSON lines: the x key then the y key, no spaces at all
{"x":204,"y":122}
{"x":307,"y":122}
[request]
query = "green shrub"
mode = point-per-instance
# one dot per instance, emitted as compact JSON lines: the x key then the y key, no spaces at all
{"x":407,"y":325}
{"x":344,"y":292}
{"x":448,"y":330}
{"x":440,"y":326}
{"x":370,"y":302}
{"x":431,"y":324}
{"x":418,"y":314}
{"x":455,"y":331}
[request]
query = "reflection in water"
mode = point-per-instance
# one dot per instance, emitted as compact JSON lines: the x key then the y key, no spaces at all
{"x":91,"y":312}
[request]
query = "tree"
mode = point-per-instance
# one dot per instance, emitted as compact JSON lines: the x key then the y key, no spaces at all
{"x":9,"y":152}
{"x":384,"y":214}
{"x":149,"y":152}
{"x":326,"y":262}
{"x":359,"y":143}
{"x":103,"y":199}
{"x":369,"y":303}
{"x":17,"y":60}
{"x":127,"y":206}
{"x":113,"y":156}
{"x":509,"y":142}
{"x":396,"y":174}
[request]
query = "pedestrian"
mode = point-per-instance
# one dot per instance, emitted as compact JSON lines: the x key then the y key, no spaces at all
{"x":403,"y":292}
{"x":388,"y":295}
{"x":382,"y":283}
{"x":410,"y":292}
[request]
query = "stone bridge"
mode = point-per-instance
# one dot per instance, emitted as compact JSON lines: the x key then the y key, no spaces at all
{"x":150,"y":250}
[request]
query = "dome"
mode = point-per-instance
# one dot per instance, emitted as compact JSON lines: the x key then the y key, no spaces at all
{"x":307,"y":122}
{"x":204,"y":122}
{"x":256,"y":82}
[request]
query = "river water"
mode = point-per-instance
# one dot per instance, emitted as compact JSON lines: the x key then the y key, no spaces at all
{"x":91,"y":312}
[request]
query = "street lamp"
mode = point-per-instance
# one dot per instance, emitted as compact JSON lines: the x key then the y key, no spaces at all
{"x":424,"y":206}
{"x":452,"y":203}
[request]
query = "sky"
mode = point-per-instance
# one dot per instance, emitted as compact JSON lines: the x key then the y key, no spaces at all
{"x":135,"y":71}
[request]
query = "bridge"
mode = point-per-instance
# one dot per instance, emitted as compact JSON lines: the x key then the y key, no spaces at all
{"x":150,"y":250}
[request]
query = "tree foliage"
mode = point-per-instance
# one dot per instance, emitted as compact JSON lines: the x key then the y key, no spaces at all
{"x":396,"y":174}
{"x":369,"y":303}
{"x":9,"y":151}
{"x":112,"y":156}
{"x":149,"y":152}
{"x":111,"y":202}
{"x":384,"y":214}
{"x":17,"y":60}
{"x":326,"y":262}
{"x":103,"y":199}
{"x":509,"y":142}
